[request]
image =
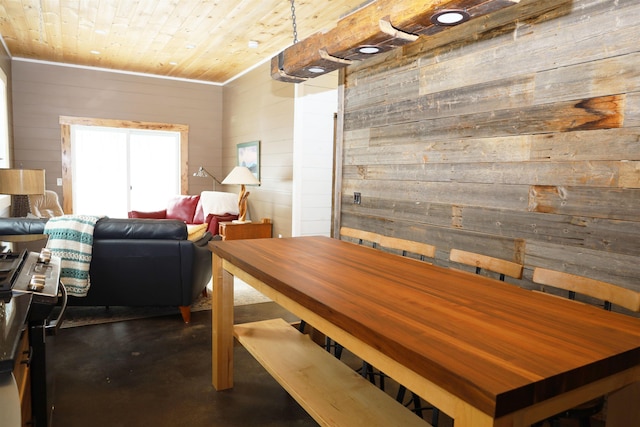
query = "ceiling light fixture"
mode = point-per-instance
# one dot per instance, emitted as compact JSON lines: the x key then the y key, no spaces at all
{"x":95,"y":52}
{"x":369,"y":50}
{"x":379,"y":26}
{"x":190,"y":46}
{"x":253,"y":44}
{"x":450,"y":17}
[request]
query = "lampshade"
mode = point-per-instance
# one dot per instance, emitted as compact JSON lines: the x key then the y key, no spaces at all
{"x":241,"y":175}
{"x":22,"y":181}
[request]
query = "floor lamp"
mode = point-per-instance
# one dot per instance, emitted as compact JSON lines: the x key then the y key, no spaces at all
{"x":20,"y":183}
{"x":243,"y":176}
{"x":203,"y":173}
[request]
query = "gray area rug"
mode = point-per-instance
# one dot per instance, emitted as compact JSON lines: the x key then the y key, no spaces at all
{"x":82,"y":316}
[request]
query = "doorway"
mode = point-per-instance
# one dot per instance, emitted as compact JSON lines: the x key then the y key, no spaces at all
{"x":110,"y":167}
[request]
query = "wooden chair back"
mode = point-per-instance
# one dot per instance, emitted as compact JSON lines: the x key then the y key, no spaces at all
{"x":607,"y":292}
{"x":484,"y":262}
{"x":361,"y":235}
{"x":408,"y":246}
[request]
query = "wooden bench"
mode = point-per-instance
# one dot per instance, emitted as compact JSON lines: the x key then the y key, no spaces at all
{"x":331,"y":392}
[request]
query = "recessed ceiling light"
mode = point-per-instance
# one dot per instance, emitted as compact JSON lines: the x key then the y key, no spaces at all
{"x":190,"y":46}
{"x":316,"y":70}
{"x":369,"y":50}
{"x":173,"y":63}
{"x":449,"y":17}
{"x":101,"y":32}
{"x":253,"y":44}
{"x":95,"y":52}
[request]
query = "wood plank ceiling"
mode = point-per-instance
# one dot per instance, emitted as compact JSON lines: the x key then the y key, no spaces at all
{"x":204,"y":40}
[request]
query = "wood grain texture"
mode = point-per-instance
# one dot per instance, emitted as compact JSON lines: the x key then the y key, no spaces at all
{"x":189,"y":39}
{"x":497,"y":265}
{"x":603,"y":291}
{"x":511,"y":134}
{"x":330,"y":391}
{"x":512,"y":347}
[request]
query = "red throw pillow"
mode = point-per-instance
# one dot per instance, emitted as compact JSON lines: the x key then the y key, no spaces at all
{"x":154,"y":215}
{"x":213,"y":220}
{"x":183,"y":208}
{"x":198,"y":216}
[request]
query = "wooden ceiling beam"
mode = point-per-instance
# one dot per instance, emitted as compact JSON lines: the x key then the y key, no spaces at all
{"x":382,"y":24}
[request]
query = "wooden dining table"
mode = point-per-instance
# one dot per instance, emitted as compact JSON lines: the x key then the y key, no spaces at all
{"x":485,"y":352}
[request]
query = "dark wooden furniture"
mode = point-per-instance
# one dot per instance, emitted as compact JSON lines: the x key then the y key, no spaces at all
{"x":15,"y":358}
{"x":247,"y":230}
{"x":489,"y":353}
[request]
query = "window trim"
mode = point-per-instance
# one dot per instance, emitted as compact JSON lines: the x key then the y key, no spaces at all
{"x":67,"y":159}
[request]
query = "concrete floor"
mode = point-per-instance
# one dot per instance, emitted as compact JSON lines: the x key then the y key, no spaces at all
{"x":157,"y":372}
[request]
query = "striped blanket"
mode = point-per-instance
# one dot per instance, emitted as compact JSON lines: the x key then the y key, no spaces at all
{"x":71,"y":238}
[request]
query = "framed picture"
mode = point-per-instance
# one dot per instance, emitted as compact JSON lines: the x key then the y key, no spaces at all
{"x":249,"y":156}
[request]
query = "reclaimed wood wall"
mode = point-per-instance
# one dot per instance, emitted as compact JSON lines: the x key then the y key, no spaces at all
{"x":515,"y":138}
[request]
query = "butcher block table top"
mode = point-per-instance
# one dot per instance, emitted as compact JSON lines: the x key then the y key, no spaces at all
{"x":483,"y":351}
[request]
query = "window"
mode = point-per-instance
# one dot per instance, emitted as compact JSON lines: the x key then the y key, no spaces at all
{"x":119,"y":144}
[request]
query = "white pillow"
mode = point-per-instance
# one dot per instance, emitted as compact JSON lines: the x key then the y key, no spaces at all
{"x":218,"y":202}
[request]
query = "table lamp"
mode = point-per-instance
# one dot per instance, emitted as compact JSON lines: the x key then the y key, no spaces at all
{"x":203,"y":173}
{"x":19,"y":183}
{"x":241,"y":175}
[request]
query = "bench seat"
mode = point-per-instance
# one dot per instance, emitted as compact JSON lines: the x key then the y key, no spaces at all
{"x":330,"y":391}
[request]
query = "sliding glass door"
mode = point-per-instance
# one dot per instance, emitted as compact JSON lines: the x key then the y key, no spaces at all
{"x":117,"y":170}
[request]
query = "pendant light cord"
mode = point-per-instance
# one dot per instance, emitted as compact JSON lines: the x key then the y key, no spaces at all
{"x":293,"y":18}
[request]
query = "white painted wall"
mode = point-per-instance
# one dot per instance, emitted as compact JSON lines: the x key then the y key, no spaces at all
{"x":316,"y":103}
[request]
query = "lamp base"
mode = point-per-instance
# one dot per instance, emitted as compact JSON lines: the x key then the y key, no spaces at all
{"x":19,"y":206}
{"x":238,"y":221}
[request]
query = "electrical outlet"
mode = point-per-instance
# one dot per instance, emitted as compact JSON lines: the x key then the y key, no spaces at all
{"x":59,"y":182}
{"x":356,"y":198}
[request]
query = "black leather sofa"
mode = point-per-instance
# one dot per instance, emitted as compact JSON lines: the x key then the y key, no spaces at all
{"x":137,"y":262}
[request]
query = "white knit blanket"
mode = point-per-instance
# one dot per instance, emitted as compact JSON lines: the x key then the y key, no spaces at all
{"x":71,"y":238}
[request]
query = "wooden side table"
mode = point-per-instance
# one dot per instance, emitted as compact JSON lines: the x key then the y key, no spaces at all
{"x":247,"y":230}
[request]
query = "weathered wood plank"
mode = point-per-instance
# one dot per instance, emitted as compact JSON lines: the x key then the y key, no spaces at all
{"x":619,"y":74}
{"x":514,"y":197}
{"x":402,"y":85}
{"x":596,"y":113}
{"x":550,"y":47}
{"x":593,"y":174}
{"x":437,"y":214}
{"x":572,"y":231}
{"x":484,"y":35}
{"x":615,"y":268}
{"x":498,"y":149}
{"x":621,"y":204}
{"x":565,"y":121}
{"x":632,"y":113}
{"x":493,"y":95}
{"x":605,"y":144}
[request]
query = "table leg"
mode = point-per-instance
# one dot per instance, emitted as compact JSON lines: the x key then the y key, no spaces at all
{"x":622,"y":407}
{"x":222,"y":326}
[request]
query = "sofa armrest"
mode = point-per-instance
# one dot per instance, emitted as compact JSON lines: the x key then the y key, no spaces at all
{"x":22,"y":226}
{"x":152,"y":215}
